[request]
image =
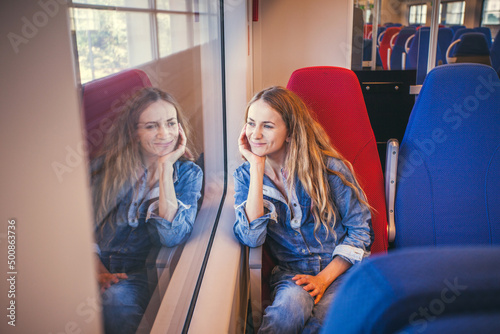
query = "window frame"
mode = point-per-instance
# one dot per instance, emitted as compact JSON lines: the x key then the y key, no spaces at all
{"x":482,"y":16}
{"x":153,"y":11}
{"x":417,"y":14}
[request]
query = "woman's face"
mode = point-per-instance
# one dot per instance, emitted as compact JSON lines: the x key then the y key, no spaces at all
{"x":266,"y":131}
{"x":158,"y":130}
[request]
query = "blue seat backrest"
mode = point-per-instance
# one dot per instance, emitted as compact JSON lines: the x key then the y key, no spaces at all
{"x":495,"y":52}
{"x":445,"y":36}
{"x":419,"y":53}
{"x":456,"y":27}
{"x":399,"y":47}
{"x":456,"y":36}
{"x":449,"y":166}
{"x":472,"y":44}
{"x":367,"y":52}
{"x":407,"y":289}
{"x":487,"y":34}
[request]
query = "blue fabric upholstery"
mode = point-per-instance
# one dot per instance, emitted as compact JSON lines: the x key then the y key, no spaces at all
{"x":457,"y":35}
{"x":414,"y":289}
{"x":367,"y":52}
{"x":445,"y":36}
{"x":449,"y":163}
{"x":487,"y":34}
{"x":472,"y":44}
{"x":456,"y":27}
{"x":419,"y":53}
{"x":399,"y":47}
{"x":495,"y":52}
{"x":484,"y":323}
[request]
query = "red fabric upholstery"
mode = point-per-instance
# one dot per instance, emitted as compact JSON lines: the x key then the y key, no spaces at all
{"x":334,"y":95}
{"x":102,"y":99}
{"x":367,"y":29}
{"x":386,"y":44}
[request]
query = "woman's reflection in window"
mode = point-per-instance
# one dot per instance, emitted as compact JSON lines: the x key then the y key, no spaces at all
{"x":145,"y":191}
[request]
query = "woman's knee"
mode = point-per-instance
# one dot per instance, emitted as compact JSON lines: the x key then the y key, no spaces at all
{"x":290,"y":310}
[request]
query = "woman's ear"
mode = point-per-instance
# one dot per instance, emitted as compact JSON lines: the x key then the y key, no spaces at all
{"x":288,"y":139}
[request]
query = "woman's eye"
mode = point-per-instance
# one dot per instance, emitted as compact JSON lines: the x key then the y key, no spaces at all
{"x":172,"y":124}
{"x":250,"y":123}
{"x":151,"y":126}
{"x":268,"y":126}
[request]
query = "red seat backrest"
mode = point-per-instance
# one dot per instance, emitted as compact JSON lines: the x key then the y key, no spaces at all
{"x":334,"y":95}
{"x":103,"y":98}
{"x":386,"y":44}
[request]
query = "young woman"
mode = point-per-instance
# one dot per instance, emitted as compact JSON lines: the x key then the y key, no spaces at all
{"x":298,"y":193}
{"x":145,"y":192}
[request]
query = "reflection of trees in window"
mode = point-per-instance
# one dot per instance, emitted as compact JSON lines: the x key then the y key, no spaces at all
{"x":452,"y":12}
{"x":491,"y":12}
{"x":102,"y":43}
{"x":112,"y":35}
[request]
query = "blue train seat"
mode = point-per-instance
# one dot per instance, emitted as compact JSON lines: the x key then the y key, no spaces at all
{"x":367,"y":52}
{"x":456,"y":27}
{"x":418,"y":53}
{"x":456,"y":36}
{"x":449,"y":161}
{"x":399,"y":48}
{"x":487,"y":34}
{"x":420,"y":290}
{"x":472,"y":48}
{"x":445,"y":36}
{"x":495,"y":52}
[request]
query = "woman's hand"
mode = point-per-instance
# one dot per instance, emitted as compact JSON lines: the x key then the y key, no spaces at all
{"x":315,"y":285}
{"x":246,"y":150}
{"x":107,"y":279}
{"x":170,"y":158}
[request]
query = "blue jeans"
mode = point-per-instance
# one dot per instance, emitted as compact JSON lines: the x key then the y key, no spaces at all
{"x":124,"y":303}
{"x":293,"y":309}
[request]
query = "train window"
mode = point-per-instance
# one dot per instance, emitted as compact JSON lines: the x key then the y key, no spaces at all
{"x":491,"y":12}
{"x":174,"y":46}
{"x":452,"y":13}
{"x":110,"y":41}
{"x":418,"y":14}
{"x":117,"y":3}
{"x":113,"y":35}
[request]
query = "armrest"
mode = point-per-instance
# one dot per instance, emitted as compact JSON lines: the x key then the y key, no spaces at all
{"x":449,"y":59}
{"x":391,"y":170}
{"x":255,"y":266}
{"x":162,"y":261}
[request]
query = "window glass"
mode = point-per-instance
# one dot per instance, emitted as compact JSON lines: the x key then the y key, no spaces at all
{"x":491,"y":12}
{"x":178,"y":48}
{"x":174,"y":33}
{"x":452,"y":13}
{"x":119,"y":3}
{"x":418,"y":14}
{"x":175,"y":5}
{"x":110,"y":41}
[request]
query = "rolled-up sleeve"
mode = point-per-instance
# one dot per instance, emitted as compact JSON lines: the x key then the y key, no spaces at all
{"x":355,"y":217}
{"x":252,"y":234}
{"x":188,"y":192}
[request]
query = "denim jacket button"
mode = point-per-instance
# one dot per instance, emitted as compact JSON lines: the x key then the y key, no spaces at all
{"x":296,"y":234}
{"x":303,"y":251}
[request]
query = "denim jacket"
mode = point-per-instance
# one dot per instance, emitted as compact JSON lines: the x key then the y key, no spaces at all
{"x":292,"y":241}
{"x":124,"y":244}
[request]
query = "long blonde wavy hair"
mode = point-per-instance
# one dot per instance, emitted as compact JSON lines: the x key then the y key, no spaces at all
{"x":307,"y":155}
{"x":120,"y":163}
